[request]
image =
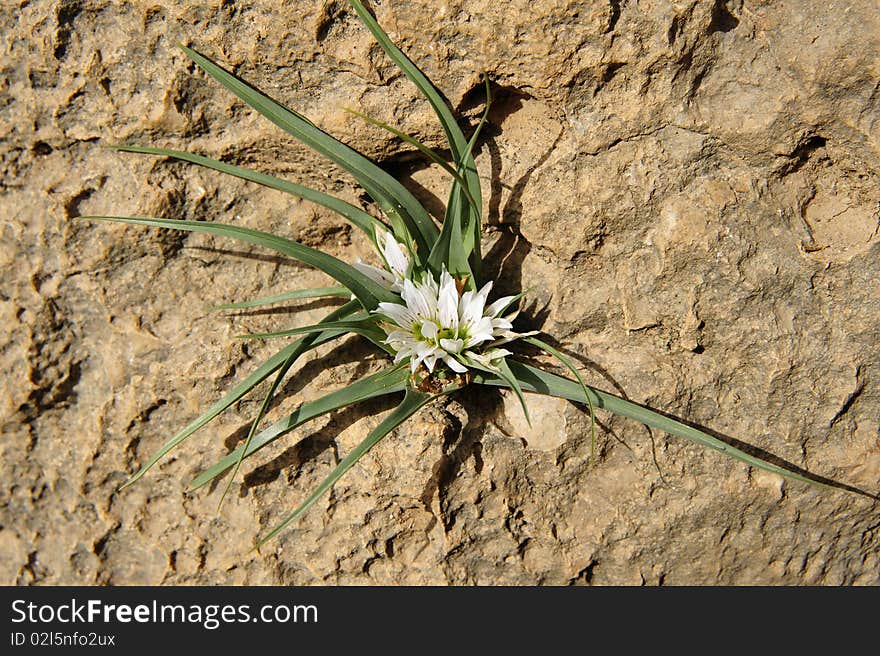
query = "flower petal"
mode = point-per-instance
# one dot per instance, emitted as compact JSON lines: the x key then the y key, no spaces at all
{"x":499,"y":306}
{"x":430,"y":329}
{"x":454,"y":364}
{"x":399,"y":314}
{"x":447,"y":303}
{"x":452,"y":345}
{"x":396,"y":258}
{"x":374,"y":273}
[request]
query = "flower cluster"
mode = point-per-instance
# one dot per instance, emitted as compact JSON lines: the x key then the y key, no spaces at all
{"x":437,"y":321}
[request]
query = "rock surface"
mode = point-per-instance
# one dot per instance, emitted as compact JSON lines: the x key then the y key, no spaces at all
{"x":690,"y":189}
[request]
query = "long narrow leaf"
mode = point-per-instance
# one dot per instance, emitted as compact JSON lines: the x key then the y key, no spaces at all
{"x":354,"y":214}
{"x":454,"y":135}
{"x":449,"y":251}
{"x":366,"y":327}
{"x":393,"y":198}
{"x":541,"y":344}
{"x":458,"y":246}
{"x":472,"y":229}
{"x":542,"y":382}
{"x":264,"y":406}
{"x":410,"y":404}
{"x":458,"y":145}
{"x":368,"y":291}
{"x":259,"y":375}
{"x":508,"y":377}
{"x":385,"y":382}
{"x":355,"y":326}
{"x":295,"y":295}
{"x":412,"y":141}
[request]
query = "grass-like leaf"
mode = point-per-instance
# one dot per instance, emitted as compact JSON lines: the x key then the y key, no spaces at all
{"x":472,"y":227}
{"x":393,"y":198}
{"x":450,"y":250}
{"x":385,"y":382}
{"x":508,"y":376}
{"x":541,"y":344}
{"x":295,"y":295}
{"x":365,"y":327}
{"x":355,"y":215}
{"x":458,"y":247}
{"x":422,"y":148}
{"x":407,"y":408}
{"x":368,"y":291}
{"x":542,"y":382}
{"x":457,"y":143}
{"x":259,"y":375}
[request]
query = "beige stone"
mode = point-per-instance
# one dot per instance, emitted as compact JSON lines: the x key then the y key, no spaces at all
{"x":689,"y":190}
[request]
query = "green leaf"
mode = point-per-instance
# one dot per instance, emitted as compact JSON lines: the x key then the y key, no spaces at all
{"x":354,"y":214}
{"x":385,"y":382}
{"x":259,"y":375}
{"x":407,"y":408}
{"x":472,"y":226}
{"x":267,"y":399}
{"x":449,"y":249}
{"x":570,"y":366}
{"x":369,"y":292}
{"x":458,"y":247}
{"x":457,"y":143}
{"x":428,"y":152}
{"x":509,"y":378}
{"x":500,"y":372}
{"x":542,"y":382}
{"x":295,"y":295}
{"x":405,"y":212}
{"x":366,"y":327}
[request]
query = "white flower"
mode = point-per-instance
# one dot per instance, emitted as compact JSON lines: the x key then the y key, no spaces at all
{"x":437,"y":323}
{"x":397,"y":262}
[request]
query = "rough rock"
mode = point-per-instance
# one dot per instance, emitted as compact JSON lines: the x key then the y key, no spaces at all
{"x":689,"y":190}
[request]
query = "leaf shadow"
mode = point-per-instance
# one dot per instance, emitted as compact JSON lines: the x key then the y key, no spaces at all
{"x":277,"y":260}
{"x":318,"y":303}
{"x":767,"y":456}
{"x":505,"y":258}
{"x":751,"y":450}
{"x":355,"y":350}
{"x":314,"y":444}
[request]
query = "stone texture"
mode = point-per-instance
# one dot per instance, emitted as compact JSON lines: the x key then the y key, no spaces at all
{"x":689,"y":189}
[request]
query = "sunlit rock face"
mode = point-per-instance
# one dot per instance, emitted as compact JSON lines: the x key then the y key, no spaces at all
{"x":688,"y":190}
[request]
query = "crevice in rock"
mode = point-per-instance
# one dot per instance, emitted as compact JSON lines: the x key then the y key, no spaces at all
{"x":613,"y":15}
{"x":144,"y":416}
{"x":41,"y":149}
{"x":332,"y":14}
{"x":608,"y":73}
{"x":802,"y":154}
{"x":65,"y":15}
{"x":722,"y":20}
{"x":850,"y":400}
{"x":33,"y":567}
{"x":56,"y":369}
